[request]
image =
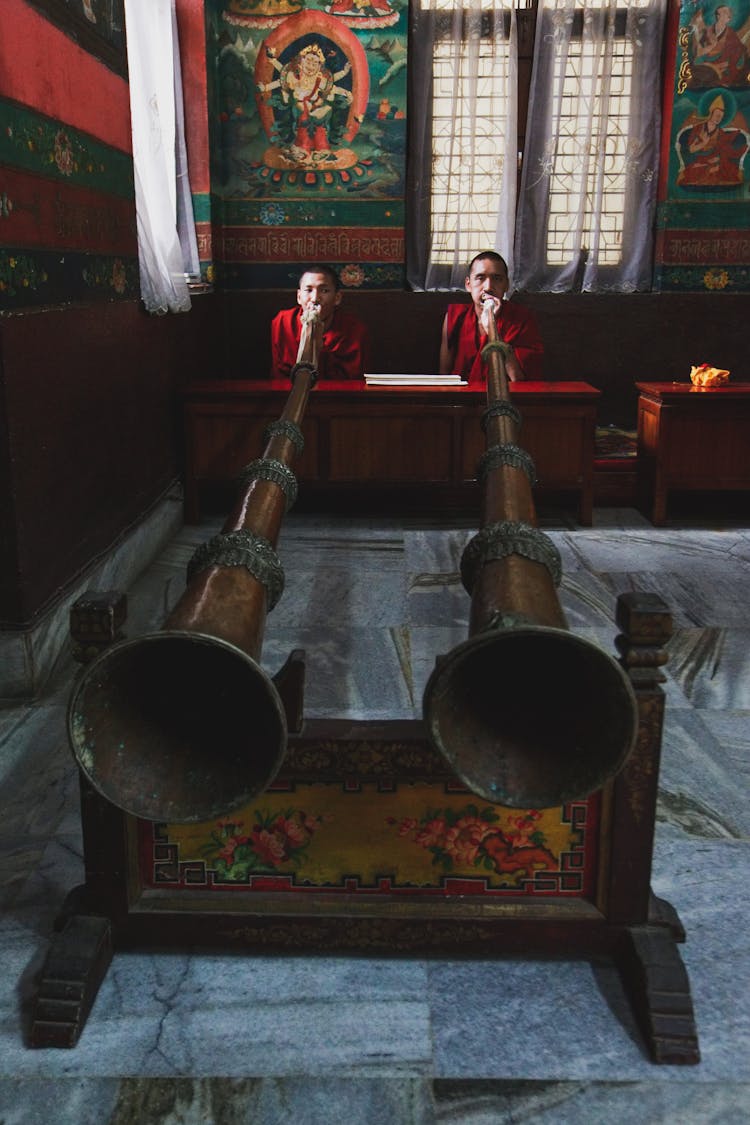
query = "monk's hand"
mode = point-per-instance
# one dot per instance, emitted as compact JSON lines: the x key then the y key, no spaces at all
{"x":314,"y":319}
{"x":490,"y":305}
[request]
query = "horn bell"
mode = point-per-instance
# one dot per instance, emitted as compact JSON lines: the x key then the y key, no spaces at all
{"x":531,"y":717}
{"x":177,"y":726}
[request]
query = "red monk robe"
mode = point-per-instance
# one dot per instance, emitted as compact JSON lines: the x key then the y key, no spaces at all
{"x":344,"y":354}
{"x":516,"y":325}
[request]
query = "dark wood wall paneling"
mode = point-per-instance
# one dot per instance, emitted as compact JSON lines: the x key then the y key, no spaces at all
{"x":90,"y":402}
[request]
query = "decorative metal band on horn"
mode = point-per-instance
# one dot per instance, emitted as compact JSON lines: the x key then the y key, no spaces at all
{"x":288,"y":430}
{"x":496,"y":346}
{"x":506,"y":454}
{"x":267,"y":468}
{"x":303,"y":365}
{"x":500,"y":407}
{"x":242,"y":548}
{"x":508,"y":537}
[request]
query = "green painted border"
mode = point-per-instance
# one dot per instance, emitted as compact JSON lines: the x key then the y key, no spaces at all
{"x":672,"y":215}
{"x":701,"y":279}
{"x":259,"y":275}
{"x":202,"y":206}
{"x":313,"y":213}
{"x":33,"y":278}
{"x":39,"y":144}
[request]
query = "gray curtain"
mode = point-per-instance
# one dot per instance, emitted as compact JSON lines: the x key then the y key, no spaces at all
{"x":462,"y":114}
{"x":583,"y":157}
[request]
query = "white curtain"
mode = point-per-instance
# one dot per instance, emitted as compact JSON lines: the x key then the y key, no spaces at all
{"x":154,"y":71}
{"x":603,"y":241}
{"x":462,"y":130}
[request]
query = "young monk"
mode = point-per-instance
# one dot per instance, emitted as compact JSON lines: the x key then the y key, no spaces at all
{"x":344,"y":343}
{"x":465,"y":334}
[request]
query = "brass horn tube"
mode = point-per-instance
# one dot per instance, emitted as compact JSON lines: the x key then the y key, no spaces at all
{"x":527,"y":713}
{"x":183,"y":725}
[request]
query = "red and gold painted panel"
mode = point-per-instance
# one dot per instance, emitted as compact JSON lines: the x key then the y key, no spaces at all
{"x":393,"y":822}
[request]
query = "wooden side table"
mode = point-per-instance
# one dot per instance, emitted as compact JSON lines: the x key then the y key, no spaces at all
{"x":691,"y":439}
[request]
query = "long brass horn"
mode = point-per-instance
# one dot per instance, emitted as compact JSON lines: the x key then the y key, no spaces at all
{"x":183,"y":724}
{"x":527,"y":713}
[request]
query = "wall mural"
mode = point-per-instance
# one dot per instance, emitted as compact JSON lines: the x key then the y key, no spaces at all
{"x":67,"y":213}
{"x":309,"y":139}
{"x":67,"y":196}
{"x":97,"y":25}
{"x":704,"y":222}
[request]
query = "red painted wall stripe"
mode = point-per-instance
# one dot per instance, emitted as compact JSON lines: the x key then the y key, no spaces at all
{"x":52,"y":215}
{"x":43,"y":68}
{"x":704,"y":247}
{"x":192,"y":32}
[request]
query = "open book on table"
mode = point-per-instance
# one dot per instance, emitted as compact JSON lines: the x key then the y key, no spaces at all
{"x":415,"y":380}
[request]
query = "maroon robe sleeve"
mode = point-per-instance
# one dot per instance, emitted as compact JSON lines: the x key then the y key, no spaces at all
{"x":346,"y":348}
{"x":285,"y":334}
{"x":517,"y":326}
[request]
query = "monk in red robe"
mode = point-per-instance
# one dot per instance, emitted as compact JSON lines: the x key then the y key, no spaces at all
{"x":344,"y":342}
{"x":464,"y":334}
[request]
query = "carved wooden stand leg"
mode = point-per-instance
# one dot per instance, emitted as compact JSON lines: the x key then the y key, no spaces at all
{"x":659,"y":990}
{"x":647,"y":957}
{"x":75,"y":968}
{"x":81,"y":950}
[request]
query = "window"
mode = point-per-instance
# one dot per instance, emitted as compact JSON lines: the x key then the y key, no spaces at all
{"x":462,"y":125}
{"x":588,"y":177}
{"x":571,"y":89}
{"x":472,"y":124}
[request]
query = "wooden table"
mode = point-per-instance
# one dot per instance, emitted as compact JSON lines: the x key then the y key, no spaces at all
{"x":403,"y":446}
{"x":691,"y":439}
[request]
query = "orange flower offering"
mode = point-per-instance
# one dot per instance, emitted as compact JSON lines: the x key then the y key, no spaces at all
{"x":706,"y":376}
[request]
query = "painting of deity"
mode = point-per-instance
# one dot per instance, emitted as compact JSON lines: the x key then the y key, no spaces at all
{"x":312,"y":102}
{"x":308,"y":100}
{"x":313,"y":85}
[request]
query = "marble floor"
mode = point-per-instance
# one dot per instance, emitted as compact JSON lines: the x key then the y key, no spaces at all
{"x":188,"y":1037}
